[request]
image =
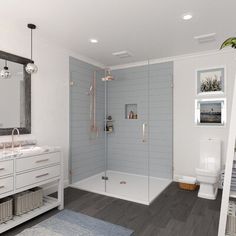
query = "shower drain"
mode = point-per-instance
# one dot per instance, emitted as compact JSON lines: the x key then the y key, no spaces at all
{"x":122,"y":182}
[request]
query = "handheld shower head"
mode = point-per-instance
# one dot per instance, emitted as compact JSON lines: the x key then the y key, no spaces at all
{"x":90,"y":90}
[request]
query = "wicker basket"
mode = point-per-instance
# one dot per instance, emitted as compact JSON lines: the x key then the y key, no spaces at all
{"x":28,"y":201}
{"x":231,"y":219}
{"x":37,"y":197}
{"x":6,"y":209}
{"x":189,"y":187}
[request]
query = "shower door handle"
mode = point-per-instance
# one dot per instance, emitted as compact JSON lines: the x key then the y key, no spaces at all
{"x":144,"y":132}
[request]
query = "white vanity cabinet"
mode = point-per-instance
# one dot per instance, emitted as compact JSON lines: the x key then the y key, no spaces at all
{"x":23,"y":171}
{"x":6,"y":168}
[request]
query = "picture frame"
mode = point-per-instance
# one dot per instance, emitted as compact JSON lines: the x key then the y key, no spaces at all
{"x":210,"y":112}
{"x":211,"y":81}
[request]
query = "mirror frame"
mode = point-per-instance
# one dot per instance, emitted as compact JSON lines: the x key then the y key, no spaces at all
{"x":27,"y":78}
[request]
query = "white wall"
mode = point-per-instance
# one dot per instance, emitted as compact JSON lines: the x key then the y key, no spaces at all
{"x":50,"y":87}
{"x":186,"y":134}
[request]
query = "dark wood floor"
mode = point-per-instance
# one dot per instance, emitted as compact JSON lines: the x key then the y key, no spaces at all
{"x":173,"y":213}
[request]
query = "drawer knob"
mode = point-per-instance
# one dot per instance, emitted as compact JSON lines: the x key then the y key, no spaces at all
{"x":44,"y":160}
{"x":43,"y":175}
{"x":2,"y":169}
{"x":2,"y":186}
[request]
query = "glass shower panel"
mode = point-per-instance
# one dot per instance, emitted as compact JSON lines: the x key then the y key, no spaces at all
{"x":87,"y":138}
{"x":127,"y":134}
{"x":160,"y":127}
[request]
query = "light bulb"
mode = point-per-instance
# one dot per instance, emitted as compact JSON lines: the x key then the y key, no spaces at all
{"x":5,"y":73}
{"x":31,"y":68}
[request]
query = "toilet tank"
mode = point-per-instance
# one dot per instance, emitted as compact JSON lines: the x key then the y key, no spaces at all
{"x":210,"y":154}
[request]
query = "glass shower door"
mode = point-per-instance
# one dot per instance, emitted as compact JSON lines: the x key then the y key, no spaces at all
{"x":126,"y":114}
{"x":87,"y":151}
{"x":160,"y":127}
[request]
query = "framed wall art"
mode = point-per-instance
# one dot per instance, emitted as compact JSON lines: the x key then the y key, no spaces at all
{"x":211,"y":81}
{"x":210,"y":112}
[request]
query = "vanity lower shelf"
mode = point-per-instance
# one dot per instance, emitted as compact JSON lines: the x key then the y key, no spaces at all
{"x":48,"y":204}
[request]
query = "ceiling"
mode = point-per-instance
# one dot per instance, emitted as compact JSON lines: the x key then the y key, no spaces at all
{"x":148,"y":29}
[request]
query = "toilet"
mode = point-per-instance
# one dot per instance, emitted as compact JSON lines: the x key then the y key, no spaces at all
{"x":208,"y":171}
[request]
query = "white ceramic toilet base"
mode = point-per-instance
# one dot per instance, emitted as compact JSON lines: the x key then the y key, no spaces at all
{"x":208,"y":191}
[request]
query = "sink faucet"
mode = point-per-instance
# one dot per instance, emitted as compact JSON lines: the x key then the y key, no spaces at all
{"x":12,"y":137}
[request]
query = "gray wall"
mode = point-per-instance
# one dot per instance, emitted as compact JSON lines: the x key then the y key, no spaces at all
{"x":151,"y":89}
{"x":87,"y":153}
{"x":126,"y":151}
{"x":161,"y":120}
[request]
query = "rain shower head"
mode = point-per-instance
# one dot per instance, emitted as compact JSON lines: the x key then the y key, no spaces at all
{"x":108,"y":76}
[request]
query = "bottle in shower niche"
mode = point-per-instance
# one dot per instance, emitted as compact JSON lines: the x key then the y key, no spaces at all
{"x":131,"y":115}
{"x":109,"y":124}
{"x":106,"y":128}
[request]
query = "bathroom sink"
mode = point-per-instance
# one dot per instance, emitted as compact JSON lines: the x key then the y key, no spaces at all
{"x":20,"y":151}
{"x":34,"y":150}
{"x":4,"y":154}
{"x":26,"y":151}
{"x":29,"y":150}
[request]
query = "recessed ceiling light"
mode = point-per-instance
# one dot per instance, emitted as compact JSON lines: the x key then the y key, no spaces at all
{"x":187,"y":16}
{"x":93,"y":40}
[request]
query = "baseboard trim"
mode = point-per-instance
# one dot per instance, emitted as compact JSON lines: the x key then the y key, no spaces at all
{"x":177,"y":177}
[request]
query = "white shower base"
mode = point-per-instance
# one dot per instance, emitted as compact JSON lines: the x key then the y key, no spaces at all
{"x":135,"y":189}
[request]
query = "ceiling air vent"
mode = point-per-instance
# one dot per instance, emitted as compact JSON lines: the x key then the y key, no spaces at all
{"x":205,"y":38}
{"x":122,"y":54}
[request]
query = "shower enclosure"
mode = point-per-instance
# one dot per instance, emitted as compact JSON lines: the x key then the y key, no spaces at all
{"x":121,"y":130}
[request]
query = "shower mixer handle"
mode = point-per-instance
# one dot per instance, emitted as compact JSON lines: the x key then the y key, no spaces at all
{"x":144,"y":132}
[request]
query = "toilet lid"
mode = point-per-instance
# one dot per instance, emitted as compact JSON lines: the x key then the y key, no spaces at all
{"x":207,"y":172}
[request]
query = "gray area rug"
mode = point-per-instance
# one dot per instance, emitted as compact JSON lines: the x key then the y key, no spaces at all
{"x":69,"y":223}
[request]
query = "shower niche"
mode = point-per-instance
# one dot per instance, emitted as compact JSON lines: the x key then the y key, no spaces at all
{"x":131,"y":111}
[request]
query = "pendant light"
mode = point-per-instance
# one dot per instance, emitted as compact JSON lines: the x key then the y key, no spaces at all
{"x":5,"y":73}
{"x":31,"y":68}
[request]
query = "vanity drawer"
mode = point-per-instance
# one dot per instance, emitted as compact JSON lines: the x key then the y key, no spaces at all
{"x":37,"y":176}
{"x":6,"y":185}
{"x":6,"y":167}
{"x":29,"y":163}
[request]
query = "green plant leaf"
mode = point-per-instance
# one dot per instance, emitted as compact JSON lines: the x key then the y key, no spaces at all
{"x":229,"y":42}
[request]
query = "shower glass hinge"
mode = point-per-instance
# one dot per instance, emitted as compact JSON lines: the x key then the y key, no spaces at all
{"x":104,"y":177}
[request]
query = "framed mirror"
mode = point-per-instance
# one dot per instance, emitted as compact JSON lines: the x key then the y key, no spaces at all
{"x":15,"y":95}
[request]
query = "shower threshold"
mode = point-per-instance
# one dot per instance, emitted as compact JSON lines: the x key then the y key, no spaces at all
{"x":125,"y":186}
